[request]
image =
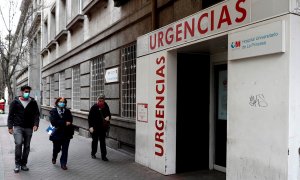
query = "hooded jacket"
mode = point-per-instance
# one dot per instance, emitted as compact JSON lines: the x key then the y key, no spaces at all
{"x":23,"y":117}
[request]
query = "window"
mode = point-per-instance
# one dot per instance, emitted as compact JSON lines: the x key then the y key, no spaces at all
{"x":118,"y":3}
{"x":76,"y":88}
{"x":52,"y":90}
{"x":62,"y":84}
{"x":44,"y":81}
{"x":52,"y":22}
{"x":45,"y":35}
{"x":75,"y":8}
{"x":97,"y":78}
{"x":62,"y":13}
{"x":128,"y":60}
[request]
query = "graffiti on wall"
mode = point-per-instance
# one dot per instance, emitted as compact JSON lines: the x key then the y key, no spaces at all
{"x":258,"y":101}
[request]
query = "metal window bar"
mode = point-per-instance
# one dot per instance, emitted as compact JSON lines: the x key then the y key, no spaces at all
{"x":128,"y":58}
{"x":62,"y":84}
{"x":97,"y":78}
{"x":52,"y":90}
{"x":76,"y":88}
{"x":44,"y":91}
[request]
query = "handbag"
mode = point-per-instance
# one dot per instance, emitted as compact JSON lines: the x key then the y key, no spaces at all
{"x":50,"y":130}
{"x":106,"y":125}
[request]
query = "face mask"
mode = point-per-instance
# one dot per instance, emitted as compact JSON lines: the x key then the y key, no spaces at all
{"x":26,"y":95}
{"x":101,"y":104}
{"x":61,"y":104}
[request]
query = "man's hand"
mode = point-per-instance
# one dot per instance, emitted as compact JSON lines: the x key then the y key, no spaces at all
{"x":35,"y":128}
{"x":10,"y":131}
{"x":68,"y":123}
{"x":91,"y":129}
{"x":107,"y":118}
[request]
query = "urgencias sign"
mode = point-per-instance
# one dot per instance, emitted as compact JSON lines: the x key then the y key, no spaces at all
{"x":222,"y":17}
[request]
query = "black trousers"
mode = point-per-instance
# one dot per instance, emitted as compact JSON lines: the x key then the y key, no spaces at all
{"x":98,"y":136}
{"x":63,"y":146}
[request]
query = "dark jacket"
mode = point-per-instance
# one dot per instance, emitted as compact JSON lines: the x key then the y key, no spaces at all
{"x":106,"y":111}
{"x":62,"y":131}
{"x":97,"y":115}
{"x":24,"y":117}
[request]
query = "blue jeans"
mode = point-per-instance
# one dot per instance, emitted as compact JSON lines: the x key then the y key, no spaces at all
{"x":22,"y":138}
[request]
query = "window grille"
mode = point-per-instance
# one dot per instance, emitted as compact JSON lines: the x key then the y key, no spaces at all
{"x":52,"y":90}
{"x":97,"y":78}
{"x":76,"y":88}
{"x":62,"y":84}
{"x":44,"y":91}
{"x":128,"y":60}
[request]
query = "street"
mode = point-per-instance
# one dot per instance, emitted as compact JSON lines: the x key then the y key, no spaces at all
{"x":80,"y":164}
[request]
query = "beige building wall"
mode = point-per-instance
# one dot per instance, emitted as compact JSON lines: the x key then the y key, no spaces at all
{"x":101,"y":30}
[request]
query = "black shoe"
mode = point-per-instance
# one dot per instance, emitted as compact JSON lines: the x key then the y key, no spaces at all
{"x":53,"y":161}
{"x":24,"y":168}
{"x":17,"y":169}
{"x":64,"y":167}
{"x":93,"y":156}
{"x":104,"y":159}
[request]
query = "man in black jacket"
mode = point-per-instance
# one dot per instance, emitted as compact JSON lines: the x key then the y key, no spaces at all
{"x":23,"y":119}
{"x":99,"y":117}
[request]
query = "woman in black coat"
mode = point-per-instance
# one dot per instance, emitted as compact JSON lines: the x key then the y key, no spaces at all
{"x":61,"y":118}
{"x":99,"y":117}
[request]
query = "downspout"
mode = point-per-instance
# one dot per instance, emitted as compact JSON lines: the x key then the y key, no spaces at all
{"x":154,"y":15}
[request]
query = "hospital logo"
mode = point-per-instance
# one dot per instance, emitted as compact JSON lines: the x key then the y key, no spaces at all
{"x":235,"y":45}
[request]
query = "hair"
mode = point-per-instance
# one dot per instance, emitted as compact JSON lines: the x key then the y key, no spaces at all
{"x":25,"y":87}
{"x":58,"y":99}
{"x":101,"y":96}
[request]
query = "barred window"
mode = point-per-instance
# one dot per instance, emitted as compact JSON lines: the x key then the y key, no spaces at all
{"x":44,"y":91}
{"x":97,"y":78}
{"x":62,"y":84}
{"x":52,"y":90}
{"x":128,"y":60}
{"x":76,"y":87}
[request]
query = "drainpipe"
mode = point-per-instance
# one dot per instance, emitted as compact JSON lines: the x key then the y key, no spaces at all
{"x":154,"y":15}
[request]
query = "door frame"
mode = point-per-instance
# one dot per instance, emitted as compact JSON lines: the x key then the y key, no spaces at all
{"x":213,"y":116}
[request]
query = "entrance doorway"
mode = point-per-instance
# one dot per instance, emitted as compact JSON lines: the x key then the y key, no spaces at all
{"x":192,"y":140}
{"x":221,"y":116}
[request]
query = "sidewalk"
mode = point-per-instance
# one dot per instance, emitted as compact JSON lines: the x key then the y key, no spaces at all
{"x":80,"y":164}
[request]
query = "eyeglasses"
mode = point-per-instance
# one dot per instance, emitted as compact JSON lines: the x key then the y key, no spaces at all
{"x":26,"y":91}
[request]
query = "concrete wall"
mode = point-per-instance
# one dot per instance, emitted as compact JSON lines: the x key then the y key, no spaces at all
{"x":105,"y":30}
{"x":294,"y":89}
{"x":104,"y":16}
{"x":34,"y":69}
{"x":257,"y":134}
{"x":76,"y":37}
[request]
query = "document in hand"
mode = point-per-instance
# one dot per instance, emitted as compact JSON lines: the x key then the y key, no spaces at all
{"x":50,"y":130}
